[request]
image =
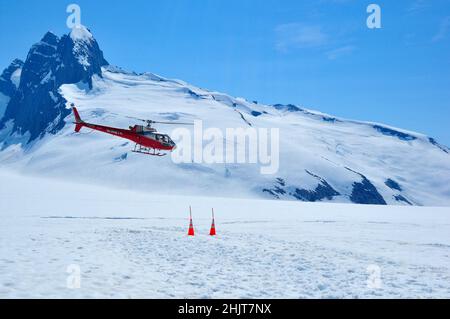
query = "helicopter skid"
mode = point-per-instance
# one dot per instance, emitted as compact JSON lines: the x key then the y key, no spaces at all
{"x":147,"y":151}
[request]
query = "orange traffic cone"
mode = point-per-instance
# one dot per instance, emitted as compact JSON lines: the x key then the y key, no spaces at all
{"x":191,"y":224}
{"x":212,"y":232}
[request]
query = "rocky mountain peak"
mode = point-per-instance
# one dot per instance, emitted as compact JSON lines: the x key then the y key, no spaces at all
{"x":36,"y":106}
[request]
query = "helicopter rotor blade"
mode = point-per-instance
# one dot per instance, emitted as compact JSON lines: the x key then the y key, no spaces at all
{"x":171,"y":123}
{"x":135,"y":118}
{"x":158,"y":122}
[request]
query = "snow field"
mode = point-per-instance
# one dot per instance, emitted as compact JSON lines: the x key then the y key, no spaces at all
{"x":134,"y":245}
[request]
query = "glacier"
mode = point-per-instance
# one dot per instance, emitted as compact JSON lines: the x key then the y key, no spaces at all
{"x":134,"y":244}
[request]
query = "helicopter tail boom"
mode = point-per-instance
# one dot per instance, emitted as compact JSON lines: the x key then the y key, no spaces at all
{"x":79,"y":123}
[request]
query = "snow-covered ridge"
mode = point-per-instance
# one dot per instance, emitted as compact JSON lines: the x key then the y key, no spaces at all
{"x":83,"y":40}
{"x":81,"y":33}
{"x":323,"y":158}
{"x":256,"y":109}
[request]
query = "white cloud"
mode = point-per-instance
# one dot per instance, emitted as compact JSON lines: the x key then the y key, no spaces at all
{"x":299,"y":36}
{"x":295,"y":36}
{"x":336,"y":53}
{"x":417,"y":6}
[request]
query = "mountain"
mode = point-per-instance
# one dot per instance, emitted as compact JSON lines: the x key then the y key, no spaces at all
{"x":36,"y":106}
{"x":322,"y":158}
{"x":9,"y":81}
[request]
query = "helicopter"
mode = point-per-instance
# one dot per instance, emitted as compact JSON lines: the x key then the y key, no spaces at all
{"x":148,"y":140}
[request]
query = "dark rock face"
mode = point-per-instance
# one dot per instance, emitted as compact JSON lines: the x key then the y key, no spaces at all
{"x":36,"y":107}
{"x":393,"y":185}
{"x":294,"y":108}
{"x":281,"y":181}
{"x":322,"y":191}
{"x":390,"y":132}
{"x":8,"y":84}
{"x":36,"y":104}
{"x":289,"y":107}
{"x":365,"y":193}
{"x":277,"y":190}
{"x":7,"y":87}
{"x":441,"y":147}
{"x":80,"y":60}
{"x":400,"y":198}
{"x":329,"y":119}
{"x":193,"y":95}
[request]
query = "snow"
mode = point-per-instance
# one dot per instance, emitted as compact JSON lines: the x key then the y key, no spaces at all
{"x":4,"y":100}
{"x":48,"y":77}
{"x":133,"y":245}
{"x":82,"y":39}
{"x":335,"y":151}
{"x":15,"y":77}
{"x":307,"y":142}
{"x":81,"y":33}
{"x":53,"y":97}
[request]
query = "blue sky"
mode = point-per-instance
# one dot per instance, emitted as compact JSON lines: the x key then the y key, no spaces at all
{"x":317,"y":54}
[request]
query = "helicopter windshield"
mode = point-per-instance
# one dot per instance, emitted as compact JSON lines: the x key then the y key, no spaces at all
{"x":164,"y":139}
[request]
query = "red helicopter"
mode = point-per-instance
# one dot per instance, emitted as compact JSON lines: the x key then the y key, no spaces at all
{"x":148,"y":140}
